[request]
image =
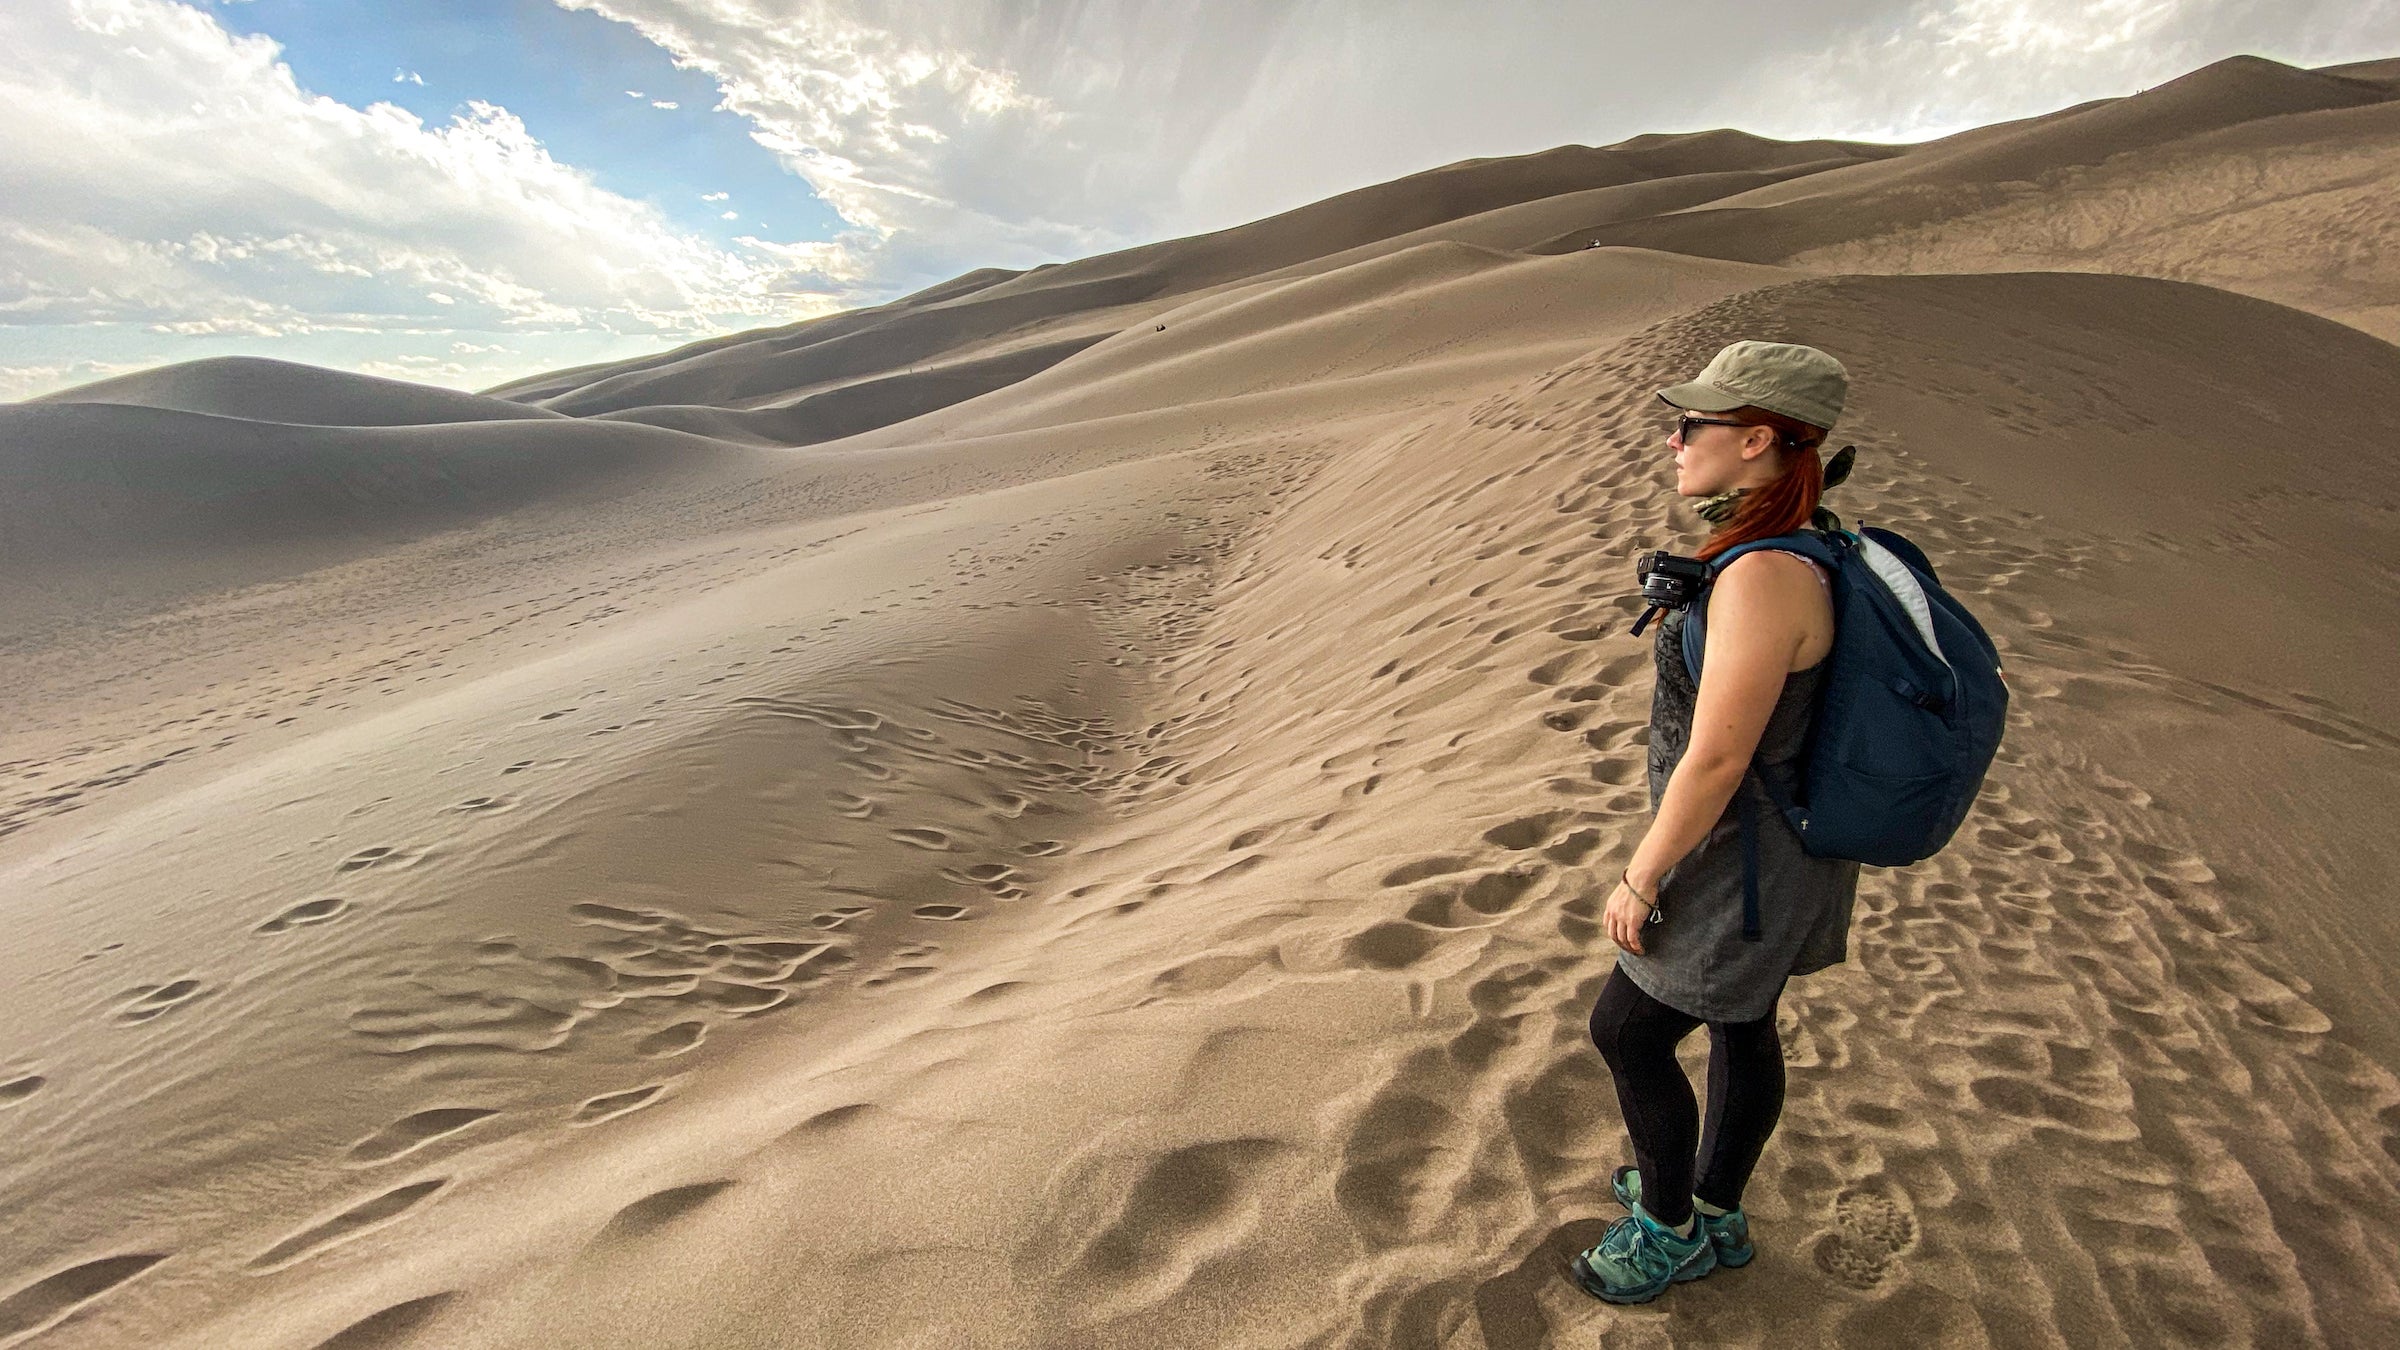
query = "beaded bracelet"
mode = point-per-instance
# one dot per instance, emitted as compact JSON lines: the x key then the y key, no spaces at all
{"x":1653,"y":916}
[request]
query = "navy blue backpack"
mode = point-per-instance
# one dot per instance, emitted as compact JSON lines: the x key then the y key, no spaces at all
{"x":1909,"y":715}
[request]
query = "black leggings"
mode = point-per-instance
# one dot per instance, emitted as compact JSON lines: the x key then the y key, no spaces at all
{"x":1637,"y":1035}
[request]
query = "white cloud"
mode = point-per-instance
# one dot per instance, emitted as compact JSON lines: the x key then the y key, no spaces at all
{"x":730,"y":215}
{"x":713,"y":196}
{"x":1934,"y":67}
{"x":931,"y":142}
{"x":407,"y":77}
{"x":422,"y":369}
{"x":18,"y":382}
{"x":633,"y":93}
{"x":666,"y":103}
{"x":163,"y":172}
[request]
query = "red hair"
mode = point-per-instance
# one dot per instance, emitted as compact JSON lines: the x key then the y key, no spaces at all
{"x":1790,"y":501}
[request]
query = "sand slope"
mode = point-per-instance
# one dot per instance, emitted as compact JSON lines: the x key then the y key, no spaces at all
{"x":2208,"y":177}
{"x":109,"y":509}
{"x":1107,"y":854}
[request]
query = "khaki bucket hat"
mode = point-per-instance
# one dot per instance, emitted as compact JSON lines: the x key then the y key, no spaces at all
{"x":1781,"y":377}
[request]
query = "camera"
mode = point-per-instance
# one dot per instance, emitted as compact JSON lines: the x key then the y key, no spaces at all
{"x":1670,"y":582}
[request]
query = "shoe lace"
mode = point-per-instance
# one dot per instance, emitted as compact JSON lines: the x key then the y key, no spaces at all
{"x":1629,"y":1239}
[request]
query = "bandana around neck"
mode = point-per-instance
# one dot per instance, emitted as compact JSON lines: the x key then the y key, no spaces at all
{"x":1720,"y":508}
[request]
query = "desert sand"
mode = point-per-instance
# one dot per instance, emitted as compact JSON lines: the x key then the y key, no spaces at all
{"x":1069,"y":809}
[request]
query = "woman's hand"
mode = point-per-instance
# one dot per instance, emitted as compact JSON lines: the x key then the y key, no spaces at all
{"x":1626,"y":914}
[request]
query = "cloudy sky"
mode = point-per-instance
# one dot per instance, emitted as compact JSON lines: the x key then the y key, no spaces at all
{"x":464,"y":191}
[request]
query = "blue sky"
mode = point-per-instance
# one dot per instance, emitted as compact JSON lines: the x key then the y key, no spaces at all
{"x":571,"y":76}
{"x":462,"y":192}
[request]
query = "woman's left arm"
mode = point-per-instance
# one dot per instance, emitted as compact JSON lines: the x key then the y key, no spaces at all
{"x":1757,"y":621}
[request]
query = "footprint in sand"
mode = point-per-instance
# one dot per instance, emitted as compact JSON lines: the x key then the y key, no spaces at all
{"x":671,"y":1041}
{"x":615,"y":1104}
{"x":1572,"y":850}
{"x":1397,"y":1157}
{"x":1389,"y":946}
{"x":738,"y":1000}
{"x":381,"y":855}
{"x":908,"y":965}
{"x":157,"y":1000}
{"x":1481,"y":902}
{"x":1871,"y":1227}
{"x":387,"y":1328}
{"x":348,"y":1224}
{"x":49,"y":1300}
{"x":1183,"y":1203}
{"x":941,"y":913}
{"x":1425,"y":868}
{"x":1526,"y":831}
{"x":18,"y":1089}
{"x":609,"y":916}
{"x":657,"y":1210}
{"x":935,"y":840}
{"x":306,"y":912}
{"x":412,"y":1132}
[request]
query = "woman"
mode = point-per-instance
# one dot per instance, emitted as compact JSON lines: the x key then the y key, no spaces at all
{"x":1746,"y":443}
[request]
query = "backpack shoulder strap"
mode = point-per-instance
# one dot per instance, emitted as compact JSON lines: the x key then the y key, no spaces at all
{"x":1813,"y":545}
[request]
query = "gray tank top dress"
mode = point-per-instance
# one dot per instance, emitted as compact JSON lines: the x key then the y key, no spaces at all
{"x":1695,"y":959}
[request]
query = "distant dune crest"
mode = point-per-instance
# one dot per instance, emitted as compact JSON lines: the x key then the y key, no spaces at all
{"x":2104,"y":186}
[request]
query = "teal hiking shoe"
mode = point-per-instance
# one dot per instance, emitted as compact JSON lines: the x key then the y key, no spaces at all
{"x":1729,"y":1232}
{"x":1638,"y":1258}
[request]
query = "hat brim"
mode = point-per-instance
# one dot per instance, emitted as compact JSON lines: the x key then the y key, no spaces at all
{"x":1698,"y":397}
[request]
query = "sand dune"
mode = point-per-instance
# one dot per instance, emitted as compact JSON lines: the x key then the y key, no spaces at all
{"x":2381,"y":72}
{"x":955,"y":318}
{"x":1390,"y":314}
{"x":2220,"y":208}
{"x":109,"y":508}
{"x":261,"y":390}
{"x":1095,"y":840}
{"x":861,"y":405}
{"x":2208,"y":178}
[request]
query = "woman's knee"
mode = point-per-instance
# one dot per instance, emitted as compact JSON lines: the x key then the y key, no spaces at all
{"x":1629,"y":1026}
{"x":1608,"y":1032}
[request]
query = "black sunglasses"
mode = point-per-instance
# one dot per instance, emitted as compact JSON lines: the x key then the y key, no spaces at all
{"x":1685,"y":423}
